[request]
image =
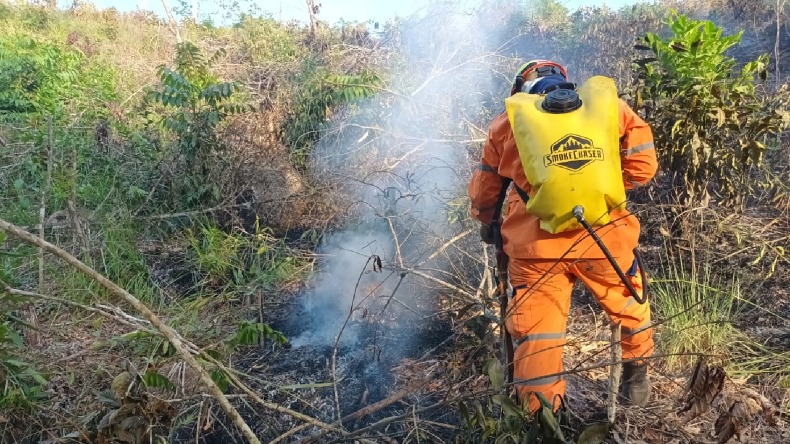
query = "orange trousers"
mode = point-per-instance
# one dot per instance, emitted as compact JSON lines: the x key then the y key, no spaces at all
{"x":538,"y":311}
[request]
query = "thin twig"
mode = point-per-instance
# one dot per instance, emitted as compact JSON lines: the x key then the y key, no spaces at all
{"x":392,"y":296}
{"x":398,"y":256}
{"x":445,"y":246}
{"x":340,"y":333}
{"x":192,"y":213}
{"x":411,"y":388}
{"x":367,"y":410}
{"x":267,"y":405}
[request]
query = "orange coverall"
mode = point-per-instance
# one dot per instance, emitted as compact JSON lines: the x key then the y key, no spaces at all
{"x":544,"y":266}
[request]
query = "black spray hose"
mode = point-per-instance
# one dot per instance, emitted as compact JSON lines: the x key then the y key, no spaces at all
{"x":642,"y":274}
{"x":578,"y":213}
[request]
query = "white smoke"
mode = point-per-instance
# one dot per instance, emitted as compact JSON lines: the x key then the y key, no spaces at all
{"x":404,"y":158}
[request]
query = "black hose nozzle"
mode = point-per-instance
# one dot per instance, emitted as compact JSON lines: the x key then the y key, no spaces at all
{"x":578,"y":212}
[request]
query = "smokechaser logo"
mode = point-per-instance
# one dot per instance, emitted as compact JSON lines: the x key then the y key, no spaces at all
{"x":572,"y":152}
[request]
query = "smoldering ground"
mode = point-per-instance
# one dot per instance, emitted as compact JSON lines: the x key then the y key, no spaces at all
{"x":401,"y":161}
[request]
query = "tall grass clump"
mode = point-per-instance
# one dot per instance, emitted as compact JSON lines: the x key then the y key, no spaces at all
{"x":696,"y":309}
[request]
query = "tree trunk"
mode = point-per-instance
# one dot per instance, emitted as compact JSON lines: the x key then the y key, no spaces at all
{"x":312,"y":10}
{"x":171,"y":21}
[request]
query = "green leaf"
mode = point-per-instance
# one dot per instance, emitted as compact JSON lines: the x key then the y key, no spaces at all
{"x":496,"y":373}
{"x":13,"y":362}
{"x":15,"y":338}
{"x":213,"y":353}
{"x":551,"y":428}
{"x":37,"y":377}
{"x":221,"y":379}
{"x":157,"y":380}
{"x":508,"y":406}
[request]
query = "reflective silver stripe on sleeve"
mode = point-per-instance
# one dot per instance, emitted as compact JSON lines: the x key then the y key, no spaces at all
{"x":537,"y":381}
{"x":487,"y":168}
{"x":539,"y":337}
{"x":639,"y":148}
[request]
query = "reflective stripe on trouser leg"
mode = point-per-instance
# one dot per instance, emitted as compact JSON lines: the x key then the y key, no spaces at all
{"x":536,"y":319}
{"x":536,"y":364}
{"x":603,"y":281}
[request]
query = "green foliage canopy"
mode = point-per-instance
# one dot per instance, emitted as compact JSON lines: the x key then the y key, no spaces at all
{"x":35,"y":76}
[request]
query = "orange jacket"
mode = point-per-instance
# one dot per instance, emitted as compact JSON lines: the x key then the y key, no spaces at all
{"x":521,"y":231}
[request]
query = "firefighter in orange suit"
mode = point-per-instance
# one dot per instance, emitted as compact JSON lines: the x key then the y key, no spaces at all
{"x":547,"y":255}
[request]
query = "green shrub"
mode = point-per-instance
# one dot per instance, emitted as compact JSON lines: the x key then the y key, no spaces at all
{"x":267,"y":41}
{"x":241,"y":260}
{"x":216,"y":253}
{"x":21,"y":385}
{"x":39,"y":80}
{"x":710,"y":122}
{"x":195,"y":103}
{"x":500,"y":420}
{"x":34,"y":76}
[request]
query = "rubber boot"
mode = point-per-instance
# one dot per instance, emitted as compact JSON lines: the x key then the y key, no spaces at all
{"x":635,"y":387}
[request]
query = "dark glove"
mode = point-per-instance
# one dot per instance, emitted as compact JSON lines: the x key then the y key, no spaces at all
{"x":487,"y":233}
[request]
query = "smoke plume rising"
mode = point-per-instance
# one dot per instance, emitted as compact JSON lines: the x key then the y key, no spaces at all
{"x":402,"y":160}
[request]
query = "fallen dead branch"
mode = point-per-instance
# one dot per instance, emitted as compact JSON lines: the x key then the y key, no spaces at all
{"x":108,"y":312}
{"x":117,"y":314}
{"x":267,"y":405}
{"x":171,"y":335}
{"x":392,"y":419}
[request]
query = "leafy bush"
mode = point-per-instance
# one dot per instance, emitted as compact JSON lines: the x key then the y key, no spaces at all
{"x":196,"y":102}
{"x":503,"y":421}
{"x":253,"y":333}
{"x":197,"y":99}
{"x":39,"y":79}
{"x":34,"y":76}
{"x":216,"y":253}
{"x":21,"y":385}
{"x":708,"y":118}
{"x":320,"y":93}
{"x":265,"y":40}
